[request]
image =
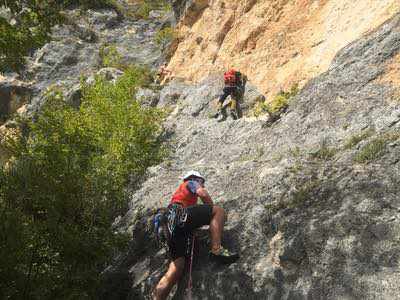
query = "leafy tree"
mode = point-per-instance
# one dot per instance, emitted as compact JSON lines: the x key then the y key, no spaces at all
{"x":66,"y":184}
{"x":26,"y":30}
{"x":29,"y":26}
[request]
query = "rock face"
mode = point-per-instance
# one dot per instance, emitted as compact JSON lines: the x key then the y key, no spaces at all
{"x":14,"y":94}
{"x":277,"y":43}
{"x":147,"y":97}
{"x":75,"y":49}
{"x":189,"y":11}
{"x":312,"y":199}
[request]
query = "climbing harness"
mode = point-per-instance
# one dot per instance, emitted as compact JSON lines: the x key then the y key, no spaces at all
{"x":166,"y":221}
{"x":177,"y":217}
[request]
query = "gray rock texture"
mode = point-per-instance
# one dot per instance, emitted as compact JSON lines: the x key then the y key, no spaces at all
{"x":75,"y":49}
{"x":147,"y":97}
{"x":188,"y":11}
{"x":313,"y":199}
{"x":14,"y":93}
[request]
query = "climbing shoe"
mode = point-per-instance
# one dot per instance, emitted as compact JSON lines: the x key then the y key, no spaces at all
{"x":216,"y":115}
{"x":234,"y":115}
{"x":224,"y":256}
{"x":223,"y":118}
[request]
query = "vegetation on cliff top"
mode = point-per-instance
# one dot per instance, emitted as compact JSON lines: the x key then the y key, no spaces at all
{"x":28,"y":24}
{"x":146,"y":6}
{"x":66,"y":184}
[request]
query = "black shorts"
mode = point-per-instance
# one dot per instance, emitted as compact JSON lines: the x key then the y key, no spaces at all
{"x":229,"y":91}
{"x":197,"y":216}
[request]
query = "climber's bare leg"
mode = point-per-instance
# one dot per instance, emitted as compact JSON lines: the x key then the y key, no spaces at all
{"x":167,"y":282}
{"x":216,"y":227}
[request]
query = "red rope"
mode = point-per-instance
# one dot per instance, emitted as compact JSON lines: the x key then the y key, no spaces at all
{"x":189,"y":289}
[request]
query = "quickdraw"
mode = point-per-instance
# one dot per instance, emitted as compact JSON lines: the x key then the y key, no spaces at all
{"x":177,"y":216}
{"x":167,"y":220}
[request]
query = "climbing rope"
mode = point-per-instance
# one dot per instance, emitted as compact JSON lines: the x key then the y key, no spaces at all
{"x":189,"y":288}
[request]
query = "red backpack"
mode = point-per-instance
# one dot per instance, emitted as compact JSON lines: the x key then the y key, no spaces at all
{"x":230,"y":77}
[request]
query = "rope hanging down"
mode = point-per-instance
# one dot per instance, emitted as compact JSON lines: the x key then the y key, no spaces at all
{"x":189,"y":288}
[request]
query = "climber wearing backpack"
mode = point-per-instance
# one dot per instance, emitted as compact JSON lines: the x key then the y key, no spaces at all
{"x":175,"y":225}
{"x":235,"y":83}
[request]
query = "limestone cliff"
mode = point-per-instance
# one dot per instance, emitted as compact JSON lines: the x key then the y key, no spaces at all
{"x":277,"y":43}
{"x":312,"y":196}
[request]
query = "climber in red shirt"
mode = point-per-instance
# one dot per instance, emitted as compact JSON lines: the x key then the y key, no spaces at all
{"x":234,"y":86}
{"x":188,"y":215}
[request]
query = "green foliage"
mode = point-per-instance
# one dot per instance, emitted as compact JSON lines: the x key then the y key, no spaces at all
{"x":281,"y":101}
{"x":30,"y":24}
{"x":253,"y":155}
{"x":110,"y":57}
{"x":376,"y":147}
{"x":296,"y":168}
{"x":298,"y":198}
{"x":165,"y":6}
{"x":372,"y":150}
{"x":260,"y":108}
{"x":273,"y":208}
{"x":295,"y":152}
{"x":164,"y":36}
{"x":279,"y":104}
{"x":304,"y":193}
{"x":324,"y":152}
{"x":26,"y":31}
{"x":355,"y":139}
{"x":146,"y":6}
{"x":87,"y":4}
{"x":144,"y":10}
{"x":66,"y":184}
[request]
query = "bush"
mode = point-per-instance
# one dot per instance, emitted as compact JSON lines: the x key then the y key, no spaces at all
{"x":260,"y":108}
{"x":146,"y":6}
{"x":300,"y":197}
{"x":304,"y":193}
{"x":66,"y":184}
{"x":355,"y":139}
{"x":376,"y":147}
{"x":144,"y":10}
{"x":281,"y":101}
{"x":31,"y":24}
{"x":278,"y":105}
{"x":110,"y":57}
{"x":29,"y":31}
{"x":372,"y":150}
{"x":87,"y":4}
{"x":164,"y":36}
{"x":324,"y":152}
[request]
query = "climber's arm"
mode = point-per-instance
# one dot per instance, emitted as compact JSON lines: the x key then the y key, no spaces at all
{"x":204,"y":196}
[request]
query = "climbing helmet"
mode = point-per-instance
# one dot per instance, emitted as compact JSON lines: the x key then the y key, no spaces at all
{"x":193,"y":174}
